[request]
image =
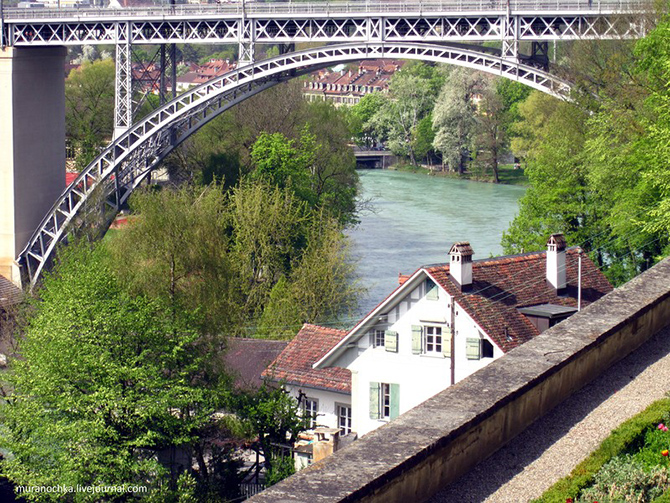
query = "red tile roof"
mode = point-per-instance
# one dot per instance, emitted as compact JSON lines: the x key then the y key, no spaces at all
{"x":246,"y":359}
{"x":501,"y":285}
{"x":294,"y":364}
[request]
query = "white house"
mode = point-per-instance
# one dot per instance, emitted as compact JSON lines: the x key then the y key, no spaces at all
{"x":443,"y":323}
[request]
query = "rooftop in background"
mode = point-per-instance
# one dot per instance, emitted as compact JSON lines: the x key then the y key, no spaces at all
{"x":10,"y":294}
{"x":294,"y":364}
{"x":246,"y":359}
{"x":349,"y":86}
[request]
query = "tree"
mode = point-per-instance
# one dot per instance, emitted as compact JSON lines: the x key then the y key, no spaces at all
{"x":411,"y":97}
{"x":89,"y":107}
{"x":491,"y":132}
{"x":274,"y":418}
{"x":454,"y":118}
{"x":111,"y":389}
{"x":361,"y":115}
{"x":176,"y":248}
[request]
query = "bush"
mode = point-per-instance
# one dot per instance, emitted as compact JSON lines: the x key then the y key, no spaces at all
{"x":626,"y":479}
{"x":281,"y":467}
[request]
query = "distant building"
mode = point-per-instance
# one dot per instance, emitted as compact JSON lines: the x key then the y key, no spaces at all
{"x":441,"y":324}
{"x":199,"y":74}
{"x":347,"y":87}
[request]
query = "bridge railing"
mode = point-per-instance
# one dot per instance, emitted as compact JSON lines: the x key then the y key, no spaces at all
{"x":330,"y":7}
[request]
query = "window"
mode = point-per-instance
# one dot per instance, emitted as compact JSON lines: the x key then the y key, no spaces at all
{"x":431,"y":290}
{"x":477,"y":348}
{"x":487,"y":349}
{"x":433,"y":339}
{"x":310,"y":408}
{"x":377,"y":337}
{"x":429,"y":340}
{"x":344,"y":418}
{"x":384,"y":400}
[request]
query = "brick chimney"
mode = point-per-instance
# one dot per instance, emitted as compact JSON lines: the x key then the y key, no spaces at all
{"x":460,"y":264}
{"x":556,"y":274}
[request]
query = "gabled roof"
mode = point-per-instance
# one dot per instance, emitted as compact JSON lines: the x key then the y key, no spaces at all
{"x":246,"y":359}
{"x":500,"y":286}
{"x":294,"y":364}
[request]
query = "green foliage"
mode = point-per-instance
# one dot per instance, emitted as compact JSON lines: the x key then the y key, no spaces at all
{"x":301,"y":144}
{"x":89,"y":108}
{"x":617,"y":443}
{"x":274,"y":417}
{"x":625,"y":479}
{"x":256,"y":254}
{"x":176,"y":249}
{"x":281,"y":467}
{"x":598,"y":170}
{"x":278,"y":161}
{"x":454,"y":118}
{"x":107,"y":384}
{"x":412,"y":95}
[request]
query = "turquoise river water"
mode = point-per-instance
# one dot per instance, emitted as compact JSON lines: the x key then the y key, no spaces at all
{"x":413,"y":219}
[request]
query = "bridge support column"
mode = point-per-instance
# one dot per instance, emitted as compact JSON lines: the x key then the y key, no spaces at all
{"x":32,"y":144}
{"x":123,"y":95}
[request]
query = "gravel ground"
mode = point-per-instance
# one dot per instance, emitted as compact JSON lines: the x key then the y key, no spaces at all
{"x":555,"y":444}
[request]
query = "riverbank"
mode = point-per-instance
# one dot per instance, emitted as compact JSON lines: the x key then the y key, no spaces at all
{"x":506,"y":174}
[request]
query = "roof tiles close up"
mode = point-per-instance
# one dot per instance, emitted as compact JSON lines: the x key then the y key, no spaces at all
{"x":294,"y":364}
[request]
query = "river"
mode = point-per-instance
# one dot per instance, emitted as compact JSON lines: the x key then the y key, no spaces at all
{"x":413,"y":219}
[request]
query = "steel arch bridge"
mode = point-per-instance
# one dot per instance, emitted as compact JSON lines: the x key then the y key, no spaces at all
{"x":507,"y":22}
{"x":428,"y":31}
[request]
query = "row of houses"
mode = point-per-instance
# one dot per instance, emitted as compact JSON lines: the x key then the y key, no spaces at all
{"x":347,"y":87}
{"x":441,"y":324}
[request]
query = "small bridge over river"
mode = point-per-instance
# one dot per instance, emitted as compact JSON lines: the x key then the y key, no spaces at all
{"x":38,"y":211}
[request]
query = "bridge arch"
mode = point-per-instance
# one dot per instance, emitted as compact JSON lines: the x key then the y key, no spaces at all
{"x":127,"y":161}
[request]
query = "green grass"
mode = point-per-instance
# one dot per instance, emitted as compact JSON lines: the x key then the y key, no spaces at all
{"x":663,"y":499}
{"x":510,"y":176}
{"x":618,"y":441}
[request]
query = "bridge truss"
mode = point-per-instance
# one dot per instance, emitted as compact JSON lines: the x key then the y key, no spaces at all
{"x":508,"y":22}
{"x":349,"y":31}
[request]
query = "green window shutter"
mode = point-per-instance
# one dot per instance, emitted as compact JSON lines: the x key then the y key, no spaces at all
{"x":472,"y":347}
{"x":432,"y":293}
{"x":446,"y":343}
{"x":395,"y":400}
{"x":374,"y":400}
{"x":416,"y":340}
{"x":391,"y":341}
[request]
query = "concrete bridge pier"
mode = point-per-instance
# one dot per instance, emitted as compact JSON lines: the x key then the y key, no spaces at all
{"x":32,"y":145}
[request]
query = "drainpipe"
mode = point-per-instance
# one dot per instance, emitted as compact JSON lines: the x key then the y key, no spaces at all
{"x":453,"y":342}
{"x":579,"y":280}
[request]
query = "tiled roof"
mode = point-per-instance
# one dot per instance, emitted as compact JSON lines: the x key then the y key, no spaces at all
{"x":501,"y":285}
{"x":294,"y":364}
{"x":9,"y":293}
{"x":246,"y":359}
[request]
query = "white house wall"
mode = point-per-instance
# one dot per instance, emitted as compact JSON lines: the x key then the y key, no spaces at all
{"x":328,"y":401}
{"x":419,"y":376}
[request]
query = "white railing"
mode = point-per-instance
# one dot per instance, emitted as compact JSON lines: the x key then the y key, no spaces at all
{"x":328,"y":8}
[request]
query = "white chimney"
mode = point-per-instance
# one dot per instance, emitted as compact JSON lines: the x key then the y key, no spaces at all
{"x":556,"y":274}
{"x":460,"y":264}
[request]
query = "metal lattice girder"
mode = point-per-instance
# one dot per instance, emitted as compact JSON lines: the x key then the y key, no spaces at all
{"x":327,"y":22}
{"x":130,"y":158}
{"x":123,"y":96}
